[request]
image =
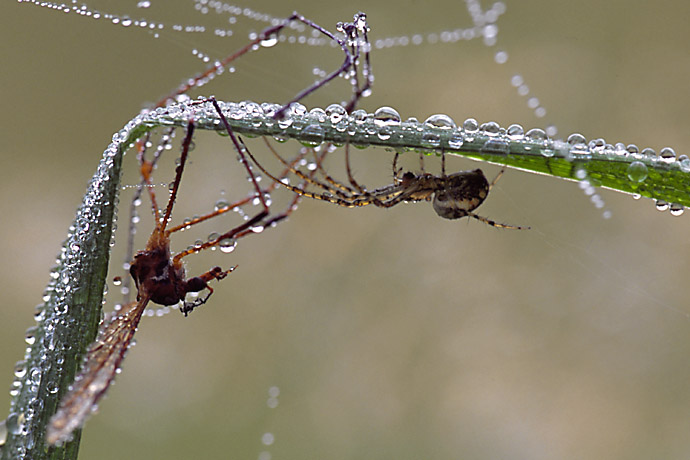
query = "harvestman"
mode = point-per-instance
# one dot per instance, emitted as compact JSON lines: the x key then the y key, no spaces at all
{"x":158,"y":275}
{"x":160,"y":278}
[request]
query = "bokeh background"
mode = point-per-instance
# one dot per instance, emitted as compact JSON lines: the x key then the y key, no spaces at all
{"x":389,"y":333}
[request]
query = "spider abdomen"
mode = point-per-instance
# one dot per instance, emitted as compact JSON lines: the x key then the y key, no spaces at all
{"x":459,"y":194}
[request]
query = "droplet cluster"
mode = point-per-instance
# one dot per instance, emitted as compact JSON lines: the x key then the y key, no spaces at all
{"x":488,"y":140}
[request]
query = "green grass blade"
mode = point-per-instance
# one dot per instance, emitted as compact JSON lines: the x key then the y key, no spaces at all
{"x":68,"y":320}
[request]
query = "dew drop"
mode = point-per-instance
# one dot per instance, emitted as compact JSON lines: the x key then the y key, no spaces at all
{"x":267,"y":439}
{"x":637,"y":171}
{"x":515,"y":132}
{"x":548,"y":152}
{"x":676,"y":209}
{"x":579,"y":151}
{"x":3,"y":434}
{"x":20,"y":369}
{"x":501,"y":57}
{"x":536,"y":134}
{"x":456,"y":140}
{"x":499,"y":146}
{"x":490,"y":128}
{"x":30,"y":337}
{"x":359,"y":116}
{"x":667,"y":155}
{"x":298,"y":109}
{"x":384,"y":133}
{"x":227,"y":245}
{"x":221,"y":204}
{"x":335,"y":113}
{"x":431,"y":139}
{"x":440,"y":120}
{"x":649,"y":153}
{"x":285,"y":123}
{"x":470,"y":125}
{"x":269,"y":42}
{"x":318,"y":114}
{"x":684,"y":163}
{"x":576,"y":138}
{"x":386,"y":116}
{"x":15,"y":423}
{"x":312,"y":135}
{"x":52,"y":387}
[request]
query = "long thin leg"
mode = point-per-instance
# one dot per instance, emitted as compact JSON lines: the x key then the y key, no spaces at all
{"x":260,"y":195}
{"x":340,"y":190}
{"x":396,"y":171}
{"x":496,"y":224}
{"x":327,"y":177}
{"x":352,"y":32}
{"x":498,"y":176}
{"x":443,"y":163}
{"x":186,"y":143}
{"x":372,"y":197}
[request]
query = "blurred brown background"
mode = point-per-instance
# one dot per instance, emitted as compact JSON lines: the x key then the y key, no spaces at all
{"x":390,"y":333}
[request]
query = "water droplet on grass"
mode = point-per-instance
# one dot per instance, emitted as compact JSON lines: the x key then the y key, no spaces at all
{"x":637,"y":171}
{"x":440,"y":120}
{"x":386,"y":116}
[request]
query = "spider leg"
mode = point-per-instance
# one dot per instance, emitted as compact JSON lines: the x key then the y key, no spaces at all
{"x":340,"y":190}
{"x":361,"y":189}
{"x":292,"y":206}
{"x":494,"y":223}
{"x":199,"y":283}
{"x":249,"y":224}
{"x":396,"y":171}
{"x":352,"y":36}
{"x":377,"y":197}
{"x":326,"y":176}
{"x":443,"y":163}
{"x":341,"y":201}
{"x":498,"y":176}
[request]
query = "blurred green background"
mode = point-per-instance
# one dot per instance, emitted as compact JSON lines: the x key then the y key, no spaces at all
{"x":390,"y":333}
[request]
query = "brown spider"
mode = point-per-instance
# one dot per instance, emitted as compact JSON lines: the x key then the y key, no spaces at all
{"x":453,"y":196}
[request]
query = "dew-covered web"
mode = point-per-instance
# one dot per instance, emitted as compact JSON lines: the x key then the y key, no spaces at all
{"x":519,"y":340}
